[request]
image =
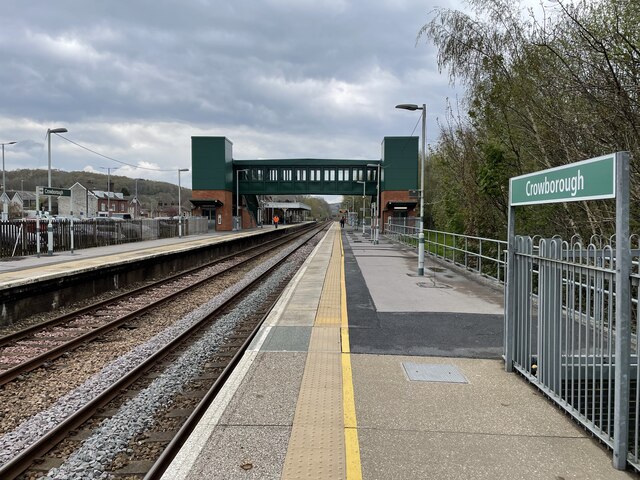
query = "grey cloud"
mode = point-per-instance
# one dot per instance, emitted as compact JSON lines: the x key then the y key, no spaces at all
{"x":307,"y":70}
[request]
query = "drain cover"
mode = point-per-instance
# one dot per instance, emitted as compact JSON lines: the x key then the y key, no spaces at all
{"x":433,"y":372}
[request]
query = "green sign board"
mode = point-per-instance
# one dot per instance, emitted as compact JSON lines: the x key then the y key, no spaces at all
{"x":56,"y":192}
{"x":587,"y":180}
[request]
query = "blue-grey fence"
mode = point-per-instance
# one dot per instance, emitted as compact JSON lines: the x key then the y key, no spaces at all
{"x":19,"y":237}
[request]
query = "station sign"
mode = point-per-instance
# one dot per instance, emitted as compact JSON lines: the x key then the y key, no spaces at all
{"x":56,"y":192}
{"x":591,"y":179}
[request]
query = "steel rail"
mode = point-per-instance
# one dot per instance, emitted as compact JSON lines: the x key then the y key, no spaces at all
{"x":24,"y":459}
{"x":35,"y":362}
{"x":12,"y":337}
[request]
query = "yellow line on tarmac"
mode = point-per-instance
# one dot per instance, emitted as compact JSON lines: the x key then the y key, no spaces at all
{"x":352,"y":445}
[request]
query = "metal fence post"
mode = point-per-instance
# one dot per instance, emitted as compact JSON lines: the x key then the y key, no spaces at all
{"x":509,"y":312}
{"x":623,"y":315}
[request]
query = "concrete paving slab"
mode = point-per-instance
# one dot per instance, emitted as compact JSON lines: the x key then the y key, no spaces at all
{"x":266,"y":396}
{"x":492,"y":403}
{"x":243,"y":453}
{"x":287,"y":339}
{"x":297,"y":317}
{"x":389,"y":454}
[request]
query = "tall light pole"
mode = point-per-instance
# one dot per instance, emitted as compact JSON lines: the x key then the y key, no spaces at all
{"x":49,"y":132}
{"x":108,"y":169}
{"x":179,"y":201}
{"x":376,"y":237}
{"x":413,"y":107}
{"x":4,"y":185}
{"x":238,"y":194}
{"x":364,"y":185}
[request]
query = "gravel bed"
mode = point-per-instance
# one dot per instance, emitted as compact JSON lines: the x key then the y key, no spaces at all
{"x":131,"y":419}
{"x":40,"y":388}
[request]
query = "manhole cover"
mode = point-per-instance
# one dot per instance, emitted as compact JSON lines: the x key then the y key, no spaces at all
{"x":432,"y":285}
{"x":433,"y":372}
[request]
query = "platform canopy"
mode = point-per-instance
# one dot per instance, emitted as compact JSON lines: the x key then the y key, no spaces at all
{"x":287,"y":205}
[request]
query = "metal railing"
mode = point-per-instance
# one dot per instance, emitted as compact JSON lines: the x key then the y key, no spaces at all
{"x":565,"y":332}
{"x":485,"y":256}
{"x":19,"y":237}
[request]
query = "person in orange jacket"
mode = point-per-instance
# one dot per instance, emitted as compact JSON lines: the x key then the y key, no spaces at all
{"x":276,"y":219}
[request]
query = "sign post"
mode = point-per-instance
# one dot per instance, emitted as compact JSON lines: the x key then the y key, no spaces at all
{"x":594,"y":179}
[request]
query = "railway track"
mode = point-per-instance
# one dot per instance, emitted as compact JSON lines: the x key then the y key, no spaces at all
{"x":34,"y":346}
{"x":235,"y":336}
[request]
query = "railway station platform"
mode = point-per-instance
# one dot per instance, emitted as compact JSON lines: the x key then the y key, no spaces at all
{"x":21,"y":270}
{"x":365,"y":370}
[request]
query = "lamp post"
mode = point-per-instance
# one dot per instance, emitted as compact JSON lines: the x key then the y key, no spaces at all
{"x":364,"y":185}
{"x":4,"y":185}
{"x":238,"y":196}
{"x":49,"y":132}
{"x":413,"y":107}
{"x":108,"y":169}
{"x":179,"y":201}
{"x":376,"y":237}
{"x":5,"y":214}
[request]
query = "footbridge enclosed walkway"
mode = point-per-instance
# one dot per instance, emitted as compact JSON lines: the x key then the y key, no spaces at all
{"x":364,"y":370}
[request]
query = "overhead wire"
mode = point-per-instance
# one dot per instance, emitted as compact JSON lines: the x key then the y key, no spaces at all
{"x":114,"y":159}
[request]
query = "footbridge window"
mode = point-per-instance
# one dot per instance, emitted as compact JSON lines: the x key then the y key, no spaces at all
{"x":287,"y":175}
{"x":343,"y":174}
{"x":329,"y":175}
{"x":257,"y":174}
{"x":273,"y":175}
{"x":314,"y":175}
{"x":301,"y":175}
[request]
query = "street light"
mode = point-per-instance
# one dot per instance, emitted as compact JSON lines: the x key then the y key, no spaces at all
{"x":179,"y":201}
{"x":413,"y":107}
{"x":376,"y":237}
{"x":364,"y":185}
{"x":238,"y":195}
{"x":108,"y":169}
{"x":4,"y":185}
{"x":49,"y":132}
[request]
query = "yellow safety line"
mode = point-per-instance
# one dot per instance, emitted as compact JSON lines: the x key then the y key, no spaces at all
{"x":352,"y":445}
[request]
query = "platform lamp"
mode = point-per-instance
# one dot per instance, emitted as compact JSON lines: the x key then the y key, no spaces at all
{"x":364,"y":185}
{"x":413,"y":107}
{"x":4,"y":185}
{"x":238,"y":195}
{"x":49,"y":132}
{"x":376,"y":237}
{"x":179,"y":201}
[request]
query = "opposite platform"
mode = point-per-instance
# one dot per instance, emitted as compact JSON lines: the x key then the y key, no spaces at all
{"x":415,"y":388}
{"x":25,"y":270}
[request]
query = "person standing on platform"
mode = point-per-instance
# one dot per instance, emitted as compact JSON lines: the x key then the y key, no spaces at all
{"x":276,"y":219}
{"x":342,"y":222}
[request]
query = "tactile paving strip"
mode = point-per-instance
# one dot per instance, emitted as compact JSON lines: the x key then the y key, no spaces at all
{"x":316,"y":447}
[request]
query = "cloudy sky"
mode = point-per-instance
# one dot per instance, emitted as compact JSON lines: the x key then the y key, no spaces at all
{"x":281,"y":78}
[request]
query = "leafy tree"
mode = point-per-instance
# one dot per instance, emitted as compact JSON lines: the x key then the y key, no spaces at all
{"x":539,"y":94}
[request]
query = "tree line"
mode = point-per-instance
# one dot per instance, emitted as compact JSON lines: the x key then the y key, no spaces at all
{"x":541,"y":91}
